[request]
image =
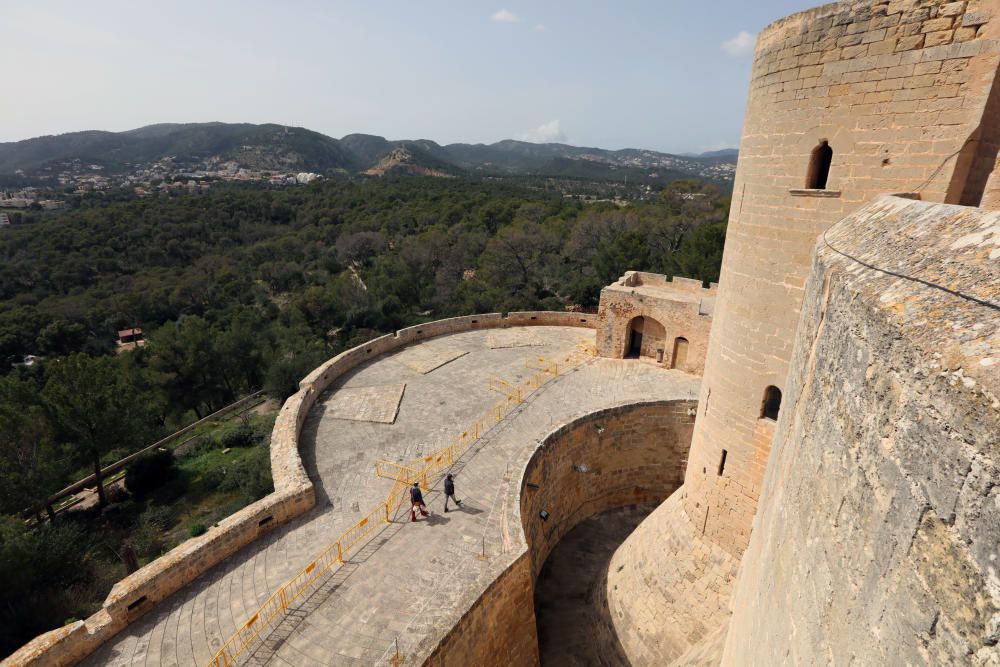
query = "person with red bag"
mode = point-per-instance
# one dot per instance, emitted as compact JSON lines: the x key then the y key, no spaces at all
{"x":417,"y":502}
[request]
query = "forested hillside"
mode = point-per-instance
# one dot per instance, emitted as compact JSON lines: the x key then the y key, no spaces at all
{"x":170,"y":149}
{"x":242,"y":288}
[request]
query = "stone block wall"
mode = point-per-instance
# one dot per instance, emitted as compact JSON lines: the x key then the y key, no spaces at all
{"x":668,"y":587}
{"x":669,"y":310}
{"x":611,"y":458}
{"x":293,"y":495}
{"x":900,"y":90}
{"x":878,"y":530}
{"x":499,"y":628}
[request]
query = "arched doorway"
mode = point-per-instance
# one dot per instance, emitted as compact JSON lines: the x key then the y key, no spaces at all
{"x":679,"y":358}
{"x":645,"y":337}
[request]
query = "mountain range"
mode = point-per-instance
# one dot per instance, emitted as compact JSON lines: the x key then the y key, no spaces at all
{"x":280,"y":148}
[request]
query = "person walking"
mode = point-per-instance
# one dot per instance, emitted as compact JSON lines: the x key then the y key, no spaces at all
{"x":417,"y":502}
{"x":449,"y":491}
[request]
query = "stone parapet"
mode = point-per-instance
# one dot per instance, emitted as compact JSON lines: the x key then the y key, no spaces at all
{"x":293,"y":495}
{"x":876,"y":538}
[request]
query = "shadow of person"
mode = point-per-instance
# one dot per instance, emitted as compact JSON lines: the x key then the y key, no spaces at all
{"x":436,"y":519}
{"x":468,"y":509}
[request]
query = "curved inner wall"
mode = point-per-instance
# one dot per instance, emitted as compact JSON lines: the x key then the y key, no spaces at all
{"x":571,"y":606}
{"x":896,"y":90}
{"x":613,"y":458}
{"x":876,"y":540}
{"x":619,"y":457}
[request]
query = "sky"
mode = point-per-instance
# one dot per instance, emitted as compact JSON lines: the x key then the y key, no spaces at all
{"x":669,"y":75}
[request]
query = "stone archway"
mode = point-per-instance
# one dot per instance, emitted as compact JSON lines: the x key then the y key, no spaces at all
{"x":645,"y":337}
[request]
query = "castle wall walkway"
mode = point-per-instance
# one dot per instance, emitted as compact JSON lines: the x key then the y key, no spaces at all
{"x":411,"y":580}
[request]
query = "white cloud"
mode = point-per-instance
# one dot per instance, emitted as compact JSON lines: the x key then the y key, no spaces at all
{"x":504,"y":16}
{"x":740,"y":45}
{"x":544,"y":133}
{"x":539,"y":27}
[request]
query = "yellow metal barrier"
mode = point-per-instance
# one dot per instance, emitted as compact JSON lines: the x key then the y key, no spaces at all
{"x":419,"y":470}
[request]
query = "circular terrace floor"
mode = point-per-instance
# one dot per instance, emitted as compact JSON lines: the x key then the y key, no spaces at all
{"x":410,"y":581}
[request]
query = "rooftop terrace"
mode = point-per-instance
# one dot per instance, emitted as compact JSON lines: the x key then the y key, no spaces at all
{"x":409,"y":581}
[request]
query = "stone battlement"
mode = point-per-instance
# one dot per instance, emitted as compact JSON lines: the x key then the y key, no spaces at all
{"x":645,"y":315}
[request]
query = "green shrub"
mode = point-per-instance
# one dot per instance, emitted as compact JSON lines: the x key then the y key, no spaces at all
{"x":148,"y":541}
{"x":150,"y":472}
{"x":243,"y":435}
{"x":203,"y":444}
{"x":170,"y":492}
{"x":156,"y":516}
{"x":197,"y":529}
{"x":212,"y":478}
{"x":251,"y":476}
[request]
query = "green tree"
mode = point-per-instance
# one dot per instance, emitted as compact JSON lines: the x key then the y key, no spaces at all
{"x":700,"y":254}
{"x":94,"y":410}
{"x":31,"y":464}
{"x":183,"y":354}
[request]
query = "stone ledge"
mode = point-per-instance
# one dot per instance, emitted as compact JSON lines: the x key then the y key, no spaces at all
{"x":807,"y":192}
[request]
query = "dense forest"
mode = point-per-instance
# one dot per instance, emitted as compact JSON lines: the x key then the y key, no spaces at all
{"x":242,"y":288}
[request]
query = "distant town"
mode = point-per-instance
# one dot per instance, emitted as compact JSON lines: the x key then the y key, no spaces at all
{"x":163,"y":175}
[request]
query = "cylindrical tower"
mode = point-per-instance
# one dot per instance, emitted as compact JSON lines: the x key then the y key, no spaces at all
{"x":847,"y":101}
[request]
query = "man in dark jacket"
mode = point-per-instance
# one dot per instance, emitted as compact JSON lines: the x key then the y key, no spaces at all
{"x":417,"y":502}
{"x":449,"y":492}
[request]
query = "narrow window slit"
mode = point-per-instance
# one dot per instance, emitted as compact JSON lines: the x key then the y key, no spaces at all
{"x":819,"y":166}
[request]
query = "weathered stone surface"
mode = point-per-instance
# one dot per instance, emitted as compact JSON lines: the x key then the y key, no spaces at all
{"x":425,"y":358}
{"x":366,"y":404}
{"x":878,"y":531}
{"x":671,"y":318}
{"x":511,"y":338}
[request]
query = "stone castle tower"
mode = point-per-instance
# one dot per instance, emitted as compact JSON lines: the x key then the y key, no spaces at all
{"x":840,"y":499}
{"x":847,"y":102}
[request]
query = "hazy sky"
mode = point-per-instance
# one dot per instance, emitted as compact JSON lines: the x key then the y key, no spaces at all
{"x":669,"y":75}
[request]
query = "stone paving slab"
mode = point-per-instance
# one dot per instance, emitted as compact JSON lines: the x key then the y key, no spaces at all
{"x":428,"y":357}
{"x":518,"y":337}
{"x":408,"y":581}
{"x":367,"y":404}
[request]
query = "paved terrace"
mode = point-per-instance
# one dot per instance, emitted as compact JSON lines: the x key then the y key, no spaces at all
{"x":408,"y":579}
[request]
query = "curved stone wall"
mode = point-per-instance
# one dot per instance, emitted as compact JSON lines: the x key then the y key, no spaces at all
{"x":293,"y":495}
{"x":897,"y":89}
{"x":877,"y":537}
{"x":611,"y":458}
{"x":662,"y":605}
{"x":617,"y":457}
{"x":900,"y":91}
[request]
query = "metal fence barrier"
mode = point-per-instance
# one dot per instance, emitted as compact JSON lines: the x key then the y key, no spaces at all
{"x":421,"y":470}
